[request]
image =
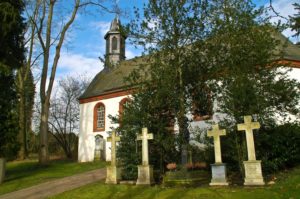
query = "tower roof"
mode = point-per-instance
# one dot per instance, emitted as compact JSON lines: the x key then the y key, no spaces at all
{"x":115,"y":27}
{"x":115,"y":24}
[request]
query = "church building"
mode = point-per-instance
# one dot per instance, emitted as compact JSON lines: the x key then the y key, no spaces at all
{"x":107,"y":94}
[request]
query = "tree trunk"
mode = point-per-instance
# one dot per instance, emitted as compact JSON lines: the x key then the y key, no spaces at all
{"x":2,"y":169}
{"x":182,"y":120}
{"x":68,"y":153}
{"x":44,"y":154}
{"x":22,"y":124}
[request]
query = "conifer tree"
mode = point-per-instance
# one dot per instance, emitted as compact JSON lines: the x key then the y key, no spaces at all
{"x":11,"y":57}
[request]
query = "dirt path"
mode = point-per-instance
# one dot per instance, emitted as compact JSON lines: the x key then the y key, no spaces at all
{"x":57,"y":186}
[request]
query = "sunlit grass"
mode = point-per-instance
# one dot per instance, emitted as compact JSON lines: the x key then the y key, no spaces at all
{"x":287,"y":186}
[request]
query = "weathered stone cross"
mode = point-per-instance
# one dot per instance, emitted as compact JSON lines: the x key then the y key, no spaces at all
{"x":113,"y":139}
{"x":248,"y":127}
{"x":216,"y":133}
{"x":145,"y":137}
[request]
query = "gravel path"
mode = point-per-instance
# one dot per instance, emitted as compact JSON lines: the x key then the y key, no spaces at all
{"x":55,"y":187}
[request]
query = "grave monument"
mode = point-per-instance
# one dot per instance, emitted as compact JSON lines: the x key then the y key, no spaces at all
{"x":145,"y":171}
{"x":113,"y":174}
{"x":253,"y":172}
{"x":218,"y":169}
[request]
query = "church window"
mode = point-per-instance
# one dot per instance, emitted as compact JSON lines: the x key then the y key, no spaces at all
{"x":122,"y":104}
{"x":99,"y":117}
{"x":114,"y":43}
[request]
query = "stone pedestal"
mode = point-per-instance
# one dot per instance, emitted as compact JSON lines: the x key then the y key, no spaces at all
{"x":253,"y":173}
{"x":2,"y":169}
{"x":113,"y":175}
{"x":145,"y":175}
{"x":218,"y":172}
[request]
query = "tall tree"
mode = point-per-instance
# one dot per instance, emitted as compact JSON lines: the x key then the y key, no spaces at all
{"x":11,"y":58}
{"x":26,"y":90}
{"x":25,"y":81}
{"x":169,"y":80}
{"x":45,"y":33}
{"x":172,"y":33}
{"x":251,"y":81}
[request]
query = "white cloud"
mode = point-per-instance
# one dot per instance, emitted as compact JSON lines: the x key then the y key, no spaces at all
{"x":130,"y":54}
{"x":285,"y":8}
{"x":75,"y":64}
{"x":102,"y":26}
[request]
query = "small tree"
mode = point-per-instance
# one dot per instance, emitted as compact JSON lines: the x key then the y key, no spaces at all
{"x":64,"y":113}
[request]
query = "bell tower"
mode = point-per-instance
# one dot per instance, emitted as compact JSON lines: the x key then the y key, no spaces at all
{"x":115,"y":44}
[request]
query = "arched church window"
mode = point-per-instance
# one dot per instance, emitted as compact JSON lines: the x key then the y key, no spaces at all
{"x":99,"y":147}
{"x":122,"y":104}
{"x":99,"y":117}
{"x":114,"y":43}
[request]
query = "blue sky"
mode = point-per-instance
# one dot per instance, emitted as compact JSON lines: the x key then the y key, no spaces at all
{"x":85,"y":41}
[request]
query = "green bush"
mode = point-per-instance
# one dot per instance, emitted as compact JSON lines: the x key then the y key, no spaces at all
{"x":278,"y":147}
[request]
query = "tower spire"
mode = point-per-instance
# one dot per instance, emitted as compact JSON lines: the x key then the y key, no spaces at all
{"x":115,"y":44}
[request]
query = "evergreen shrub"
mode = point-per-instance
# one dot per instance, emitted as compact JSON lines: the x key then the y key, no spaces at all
{"x":279,"y":147}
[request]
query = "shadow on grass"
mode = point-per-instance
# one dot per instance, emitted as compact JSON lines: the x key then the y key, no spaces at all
{"x":19,"y":170}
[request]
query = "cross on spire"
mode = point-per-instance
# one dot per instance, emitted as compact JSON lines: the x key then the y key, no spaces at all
{"x":216,"y":133}
{"x":248,"y":127}
{"x":145,"y":137}
{"x":113,"y":139}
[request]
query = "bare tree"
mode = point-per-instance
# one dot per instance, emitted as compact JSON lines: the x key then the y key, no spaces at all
{"x":25,"y":81}
{"x":64,"y":112}
{"x":52,"y":36}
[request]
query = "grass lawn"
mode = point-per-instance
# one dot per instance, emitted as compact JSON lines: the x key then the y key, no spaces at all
{"x":287,"y":187}
{"x":22,"y":174}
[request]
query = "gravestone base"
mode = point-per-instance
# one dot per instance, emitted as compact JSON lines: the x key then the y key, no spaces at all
{"x":218,"y":172}
{"x":145,"y":175}
{"x":113,"y":175}
{"x":253,"y":173}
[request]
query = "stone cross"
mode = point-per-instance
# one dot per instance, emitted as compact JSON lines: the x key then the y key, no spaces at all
{"x":145,"y":137}
{"x":248,"y":127}
{"x":216,"y":133}
{"x":113,"y":139}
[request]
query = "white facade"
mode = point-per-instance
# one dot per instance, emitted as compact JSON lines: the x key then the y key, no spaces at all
{"x":86,"y":145}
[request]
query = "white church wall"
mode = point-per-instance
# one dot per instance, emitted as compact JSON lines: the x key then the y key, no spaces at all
{"x":86,"y":145}
{"x":295,"y":74}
